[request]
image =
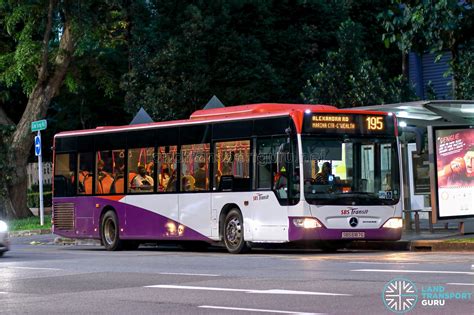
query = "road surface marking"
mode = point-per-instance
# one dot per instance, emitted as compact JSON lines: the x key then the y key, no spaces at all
{"x":416,"y":271}
{"x":454,"y":283}
{"x":254,"y":310}
{"x":32,"y":268}
{"x":383,"y":263}
{"x":272,"y":291}
{"x":188,"y":274}
{"x":3,"y":292}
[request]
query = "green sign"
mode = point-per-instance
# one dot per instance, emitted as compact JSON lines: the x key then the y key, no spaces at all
{"x":39,"y":125}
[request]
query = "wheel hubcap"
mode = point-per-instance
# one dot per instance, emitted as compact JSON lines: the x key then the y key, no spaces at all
{"x":233,"y":232}
{"x":109,"y":231}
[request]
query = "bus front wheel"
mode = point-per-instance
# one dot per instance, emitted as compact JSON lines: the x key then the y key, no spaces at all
{"x":234,"y":233}
{"x":110,"y":232}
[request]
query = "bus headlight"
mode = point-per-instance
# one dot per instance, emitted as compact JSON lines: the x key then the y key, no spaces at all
{"x":3,"y":226}
{"x":307,"y":223}
{"x":393,"y":223}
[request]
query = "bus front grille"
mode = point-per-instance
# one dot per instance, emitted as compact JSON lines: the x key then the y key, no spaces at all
{"x":63,"y":216}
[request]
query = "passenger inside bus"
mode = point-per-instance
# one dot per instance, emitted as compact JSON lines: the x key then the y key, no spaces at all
{"x":104,"y":179}
{"x":200,"y":177}
{"x":85,"y":180}
{"x":324,"y":177}
{"x":119,"y":171}
{"x":142,"y":182}
{"x":164,"y":177}
{"x":188,"y":183}
{"x":171,"y":187}
{"x":281,"y":183}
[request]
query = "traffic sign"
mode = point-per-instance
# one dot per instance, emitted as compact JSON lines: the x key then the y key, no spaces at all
{"x":38,"y":125}
{"x":37,"y":145}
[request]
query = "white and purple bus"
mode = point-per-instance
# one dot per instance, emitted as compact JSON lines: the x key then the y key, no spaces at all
{"x":237,"y":176}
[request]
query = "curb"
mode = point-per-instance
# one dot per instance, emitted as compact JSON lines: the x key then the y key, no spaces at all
{"x":440,"y":246}
{"x":414,"y":246}
{"x":29,"y":232}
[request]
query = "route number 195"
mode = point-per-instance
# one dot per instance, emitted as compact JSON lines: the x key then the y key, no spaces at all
{"x":374,"y":123}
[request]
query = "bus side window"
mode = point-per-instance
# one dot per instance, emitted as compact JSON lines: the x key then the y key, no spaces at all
{"x":166,"y":168}
{"x":267,"y":172}
{"x":64,"y":175}
{"x":195,"y":167}
{"x":232,"y":158}
{"x":109,"y":170}
{"x":141,"y":168}
{"x":85,"y":176}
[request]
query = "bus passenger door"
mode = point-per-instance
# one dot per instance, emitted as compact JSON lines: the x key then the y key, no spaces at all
{"x":274,"y":179}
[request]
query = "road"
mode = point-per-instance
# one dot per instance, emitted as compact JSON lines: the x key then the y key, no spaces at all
{"x":53,"y":279}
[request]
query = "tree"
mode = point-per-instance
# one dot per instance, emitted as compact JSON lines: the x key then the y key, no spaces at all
{"x":243,"y":51}
{"x":438,"y":26}
{"x":347,"y":78}
{"x":47,"y":36}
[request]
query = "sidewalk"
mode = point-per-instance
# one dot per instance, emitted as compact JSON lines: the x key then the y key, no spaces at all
{"x":441,"y":239}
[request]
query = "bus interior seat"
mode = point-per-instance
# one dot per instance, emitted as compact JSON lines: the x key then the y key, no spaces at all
{"x":117,"y":186}
{"x":88,"y":185}
{"x":105,"y":184}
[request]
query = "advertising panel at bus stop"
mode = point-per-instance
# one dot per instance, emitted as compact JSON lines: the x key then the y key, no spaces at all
{"x":452,"y":157}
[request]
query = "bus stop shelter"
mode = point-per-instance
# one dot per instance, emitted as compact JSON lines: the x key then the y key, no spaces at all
{"x":414,"y":119}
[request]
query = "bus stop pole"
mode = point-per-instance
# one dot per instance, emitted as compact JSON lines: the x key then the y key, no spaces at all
{"x":40,"y":176}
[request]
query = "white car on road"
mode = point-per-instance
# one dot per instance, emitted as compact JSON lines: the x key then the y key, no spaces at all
{"x":4,"y":241}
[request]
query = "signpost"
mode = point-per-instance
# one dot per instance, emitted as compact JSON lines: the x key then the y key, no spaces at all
{"x":38,"y":126}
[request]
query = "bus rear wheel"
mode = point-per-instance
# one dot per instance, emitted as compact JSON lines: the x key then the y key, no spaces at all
{"x":234,"y":233}
{"x":110,"y":232}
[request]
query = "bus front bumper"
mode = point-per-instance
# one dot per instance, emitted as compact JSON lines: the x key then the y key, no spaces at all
{"x":300,"y":233}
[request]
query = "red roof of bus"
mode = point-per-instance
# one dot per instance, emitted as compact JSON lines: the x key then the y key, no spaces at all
{"x":226,"y":113}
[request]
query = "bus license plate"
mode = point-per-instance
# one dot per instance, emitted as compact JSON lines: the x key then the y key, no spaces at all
{"x":353,"y":234}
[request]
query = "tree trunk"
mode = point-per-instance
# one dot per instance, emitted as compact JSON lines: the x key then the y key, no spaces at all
{"x":13,"y":205}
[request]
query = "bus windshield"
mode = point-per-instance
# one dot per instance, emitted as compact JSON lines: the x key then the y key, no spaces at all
{"x":350,"y":170}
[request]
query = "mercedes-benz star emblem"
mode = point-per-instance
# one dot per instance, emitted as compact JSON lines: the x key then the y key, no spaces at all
{"x":353,"y":222}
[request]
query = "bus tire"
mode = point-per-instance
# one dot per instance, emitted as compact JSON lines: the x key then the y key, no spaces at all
{"x":109,"y":232}
{"x":234,"y":233}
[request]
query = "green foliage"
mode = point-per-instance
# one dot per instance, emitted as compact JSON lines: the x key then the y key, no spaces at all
{"x":437,"y":26}
{"x":182,"y":53}
{"x":347,"y":78}
{"x":31,"y":223}
{"x":33,"y":199}
{"x":465,"y":70}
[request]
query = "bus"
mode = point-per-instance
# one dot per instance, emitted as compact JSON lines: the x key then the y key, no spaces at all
{"x":235,"y":176}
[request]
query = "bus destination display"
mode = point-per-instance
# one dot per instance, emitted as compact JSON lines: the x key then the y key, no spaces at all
{"x":348,"y":123}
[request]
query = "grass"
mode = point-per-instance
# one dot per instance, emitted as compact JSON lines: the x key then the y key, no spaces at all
{"x":31,"y":223}
{"x":461,"y":240}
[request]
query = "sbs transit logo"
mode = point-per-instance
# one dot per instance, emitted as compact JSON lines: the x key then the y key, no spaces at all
{"x":400,"y":295}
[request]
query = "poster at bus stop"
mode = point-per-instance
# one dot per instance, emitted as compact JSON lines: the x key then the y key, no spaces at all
{"x":455,"y":172}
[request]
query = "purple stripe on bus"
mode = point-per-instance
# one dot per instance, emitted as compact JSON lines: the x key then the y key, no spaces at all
{"x":381,"y":234}
{"x":137,"y":223}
